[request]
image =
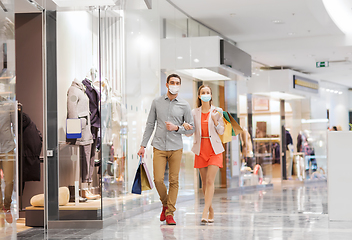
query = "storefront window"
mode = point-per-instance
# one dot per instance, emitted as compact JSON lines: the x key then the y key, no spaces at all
{"x":8,"y":120}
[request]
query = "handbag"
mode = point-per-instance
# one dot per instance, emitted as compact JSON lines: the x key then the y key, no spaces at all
{"x":142,"y":180}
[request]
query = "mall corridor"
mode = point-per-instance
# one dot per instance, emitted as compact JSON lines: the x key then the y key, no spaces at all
{"x":282,"y":212}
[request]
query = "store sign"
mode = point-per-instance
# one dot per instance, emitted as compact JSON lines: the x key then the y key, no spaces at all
{"x":322,"y":64}
{"x":305,"y":84}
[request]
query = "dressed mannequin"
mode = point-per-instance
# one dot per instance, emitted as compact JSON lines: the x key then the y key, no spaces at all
{"x":247,"y":146}
{"x":78,"y":107}
{"x":7,"y":154}
{"x":94,"y":99}
{"x":289,"y":153}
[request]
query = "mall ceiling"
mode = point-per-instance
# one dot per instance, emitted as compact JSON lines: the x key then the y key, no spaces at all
{"x":294,"y":34}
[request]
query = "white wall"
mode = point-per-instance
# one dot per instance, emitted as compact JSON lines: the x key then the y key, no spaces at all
{"x":76,"y":42}
{"x":338,"y":104}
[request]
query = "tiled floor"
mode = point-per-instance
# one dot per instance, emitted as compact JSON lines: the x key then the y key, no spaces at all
{"x":292,"y":212}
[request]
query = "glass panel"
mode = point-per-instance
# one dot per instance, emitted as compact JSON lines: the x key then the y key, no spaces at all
{"x":79,"y":90}
{"x":8,"y":121}
{"x":113,"y":113}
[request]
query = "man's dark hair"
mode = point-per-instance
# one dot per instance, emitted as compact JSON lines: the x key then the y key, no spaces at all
{"x":171,"y":76}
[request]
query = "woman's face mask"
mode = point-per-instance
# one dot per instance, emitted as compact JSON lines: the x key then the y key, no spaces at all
{"x":205,"y":97}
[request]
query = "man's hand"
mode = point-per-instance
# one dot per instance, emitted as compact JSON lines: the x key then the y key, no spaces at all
{"x":141,"y":151}
{"x":171,"y":127}
{"x":187,"y":126}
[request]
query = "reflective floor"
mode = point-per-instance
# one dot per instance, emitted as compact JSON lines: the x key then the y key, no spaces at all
{"x":284,"y":212}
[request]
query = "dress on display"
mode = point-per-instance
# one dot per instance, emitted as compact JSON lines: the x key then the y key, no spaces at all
{"x":207,"y":155}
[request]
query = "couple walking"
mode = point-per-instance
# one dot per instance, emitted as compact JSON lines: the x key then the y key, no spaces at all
{"x":173,"y":117}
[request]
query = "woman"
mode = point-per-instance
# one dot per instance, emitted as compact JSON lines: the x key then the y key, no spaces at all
{"x":207,"y":146}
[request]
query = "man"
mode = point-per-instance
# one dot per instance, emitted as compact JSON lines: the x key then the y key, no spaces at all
{"x":169,"y":112}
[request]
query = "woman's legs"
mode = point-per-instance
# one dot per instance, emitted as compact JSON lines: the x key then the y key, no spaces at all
{"x":208,"y":178}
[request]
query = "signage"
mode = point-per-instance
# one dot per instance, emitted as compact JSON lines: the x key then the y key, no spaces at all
{"x":322,"y":64}
{"x":305,"y":84}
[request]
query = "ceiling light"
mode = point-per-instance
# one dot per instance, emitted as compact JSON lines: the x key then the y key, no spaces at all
{"x":291,"y":33}
{"x":336,"y":91}
{"x":196,"y":60}
{"x":84,"y":3}
{"x":340,"y":93}
{"x":277,"y":21}
{"x":204,"y":74}
{"x":179,"y":57}
{"x":328,"y":90}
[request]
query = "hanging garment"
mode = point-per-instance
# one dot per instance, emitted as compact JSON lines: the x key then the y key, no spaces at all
{"x":31,"y":148}
{"x":94,"y":98}
{"x":78,"y":107}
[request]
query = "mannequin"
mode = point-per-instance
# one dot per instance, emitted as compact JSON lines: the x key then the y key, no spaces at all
{"x":94,"y":99}
{"x":78,"y":107}
{"x":247,"y":146}
{"x":7,"y":154}
{"x":289,"y":153}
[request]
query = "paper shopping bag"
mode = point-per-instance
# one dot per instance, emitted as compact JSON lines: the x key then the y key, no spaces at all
{"x":137,"y":184}
{"x":236,"y":128}
{"x":227,"y":136}
{"x":146,"y":181}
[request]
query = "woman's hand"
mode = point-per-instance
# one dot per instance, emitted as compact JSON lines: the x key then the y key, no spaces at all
{"x":187,"y":126}
{"x":215,"y":116}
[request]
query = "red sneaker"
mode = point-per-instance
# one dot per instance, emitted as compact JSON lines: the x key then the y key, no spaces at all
{"x":162,"y":215}
{"x":170,"y":220}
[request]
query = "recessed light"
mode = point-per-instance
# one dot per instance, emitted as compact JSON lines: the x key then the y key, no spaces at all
{"x":340,"y":93}
{"x":196,"y":60}
{"x":277,"y":21}
{"x":180,"y":57}
{"x":291,"y":33}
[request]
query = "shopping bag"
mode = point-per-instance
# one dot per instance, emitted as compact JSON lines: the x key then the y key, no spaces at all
{"x":137,"y":184}
{"x":146,"y":181}
{"x":235,"y":127}
{"x":231,"y":128}
{"x":227,"y":136}
{"x":142,"y":180}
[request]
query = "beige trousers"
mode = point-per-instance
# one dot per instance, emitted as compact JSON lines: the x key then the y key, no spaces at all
{"x":159,"y":163}
{"x":7,"y":164}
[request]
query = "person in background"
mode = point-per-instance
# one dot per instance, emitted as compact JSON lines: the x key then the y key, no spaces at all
{"x":207,"y":146}
{"x":168,"y":112}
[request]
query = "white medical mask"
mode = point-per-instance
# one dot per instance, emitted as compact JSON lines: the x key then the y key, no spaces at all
{"x":173,"y":89}
{"x":205,"y":97}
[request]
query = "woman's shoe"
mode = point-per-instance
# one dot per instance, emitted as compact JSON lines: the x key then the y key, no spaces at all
{"x":210,"y":220}
{"x":204,"y":221}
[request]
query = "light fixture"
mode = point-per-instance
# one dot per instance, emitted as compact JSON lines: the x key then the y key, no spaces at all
{"x":179,"y":57}
{"x":84,"y":3}
{"x":277,"y":21}
{"x":196,"y":60}
{"x":203,"y":74}
{"x":291,"y":33}
{"x":340,"y":93}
